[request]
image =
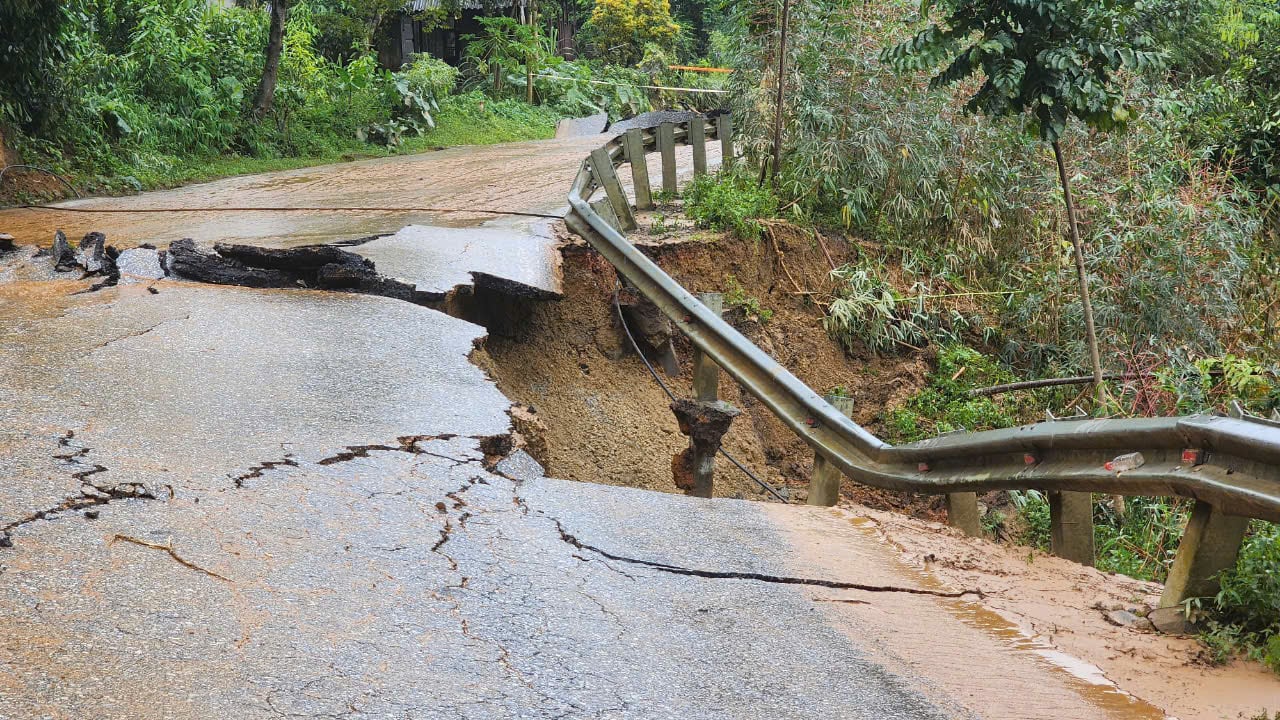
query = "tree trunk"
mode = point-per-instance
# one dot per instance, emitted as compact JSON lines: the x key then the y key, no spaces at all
{"x":271,"y":70}
{"x":528,"y":58}
{"x":1086,"y":304}
{"x":1094,"y":358}
{"x":777,"y":110}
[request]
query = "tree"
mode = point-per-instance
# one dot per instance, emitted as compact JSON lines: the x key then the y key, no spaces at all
{"x":507,"y":44}
{"x":266,"y":95}
{"x":622,"y":27}
{"x":1049,"y":59}
{"x":31,"y":44}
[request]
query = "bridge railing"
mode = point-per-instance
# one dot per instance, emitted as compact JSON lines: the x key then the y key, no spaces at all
{"x":1229,"y":465}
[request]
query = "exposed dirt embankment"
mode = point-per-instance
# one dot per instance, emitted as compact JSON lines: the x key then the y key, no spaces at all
{"x":605,"y":420}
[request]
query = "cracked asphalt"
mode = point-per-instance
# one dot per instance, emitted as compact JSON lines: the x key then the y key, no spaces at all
{"x":413,"y":584}
{"x":225,"y":502}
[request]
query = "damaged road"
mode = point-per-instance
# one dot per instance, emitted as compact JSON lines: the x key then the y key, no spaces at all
{"x":357,"y":589}
{"x":252,"y":497}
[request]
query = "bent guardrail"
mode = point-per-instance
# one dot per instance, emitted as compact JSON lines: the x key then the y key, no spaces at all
{"x":1231,"y":465}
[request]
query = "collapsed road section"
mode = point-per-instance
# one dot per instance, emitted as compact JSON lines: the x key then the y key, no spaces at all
{"x":317,"y":533}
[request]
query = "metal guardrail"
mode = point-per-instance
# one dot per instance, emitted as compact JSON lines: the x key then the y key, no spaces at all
{"x":1230,"y":463}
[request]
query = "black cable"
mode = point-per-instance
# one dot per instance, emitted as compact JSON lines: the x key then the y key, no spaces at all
{"x":7,"y":168}
{"x":617,"y":306}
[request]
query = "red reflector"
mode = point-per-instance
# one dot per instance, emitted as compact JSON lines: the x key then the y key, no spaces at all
{"x":923,"y":467}
{"x":1193,"y":456}
{"x":1030,"y":459}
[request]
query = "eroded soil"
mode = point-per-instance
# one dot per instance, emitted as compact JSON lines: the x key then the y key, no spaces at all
{"x":607,"y":420}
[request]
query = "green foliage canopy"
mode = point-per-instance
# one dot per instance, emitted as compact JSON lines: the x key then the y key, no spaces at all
{"x":1053,"y":59}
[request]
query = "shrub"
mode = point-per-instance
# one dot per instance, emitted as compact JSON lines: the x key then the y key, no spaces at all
{"x":731,"y":200}
{"x":1249,"y":600}
{"x":736,"y":298}
{"x":428,"y":76}
{"x":944,"y":405}
{"x":868,"y":312}
{"x":618,"y":29}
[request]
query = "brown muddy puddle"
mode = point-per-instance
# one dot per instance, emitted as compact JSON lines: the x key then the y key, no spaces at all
{"x":1086,"y":679}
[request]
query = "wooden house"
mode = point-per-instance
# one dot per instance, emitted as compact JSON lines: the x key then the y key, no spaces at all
{"x":407,"y":35}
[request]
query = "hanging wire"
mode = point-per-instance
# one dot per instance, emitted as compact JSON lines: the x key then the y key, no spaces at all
{"x":617,"y":306}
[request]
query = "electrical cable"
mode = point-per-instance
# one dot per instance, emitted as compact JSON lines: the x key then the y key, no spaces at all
{"x":562,"y":78}
{"x":46,"y":171}
{"x":617,"y":306}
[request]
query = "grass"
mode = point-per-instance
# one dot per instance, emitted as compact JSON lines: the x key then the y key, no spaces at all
{"x":463,"y":120}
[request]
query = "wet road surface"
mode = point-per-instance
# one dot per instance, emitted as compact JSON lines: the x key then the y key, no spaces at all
{"x":275,"y":503}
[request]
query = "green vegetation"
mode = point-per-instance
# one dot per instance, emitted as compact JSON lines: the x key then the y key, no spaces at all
{"x":867,"y":311}
{"x":124,"y":95}
{"x":150,"y":93}
{"x":730,"y":201}
{"x":1245,"y":615}
{"x":943,"y":405}
{"x":736,"y":298}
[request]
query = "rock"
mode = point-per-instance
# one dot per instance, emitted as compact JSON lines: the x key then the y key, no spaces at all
{"x":92,"y":253}
{"x":140,"y":263}
{"x":1171,"y":620}
{"x":6,"y":243}
{"x":1124,"y":618}
{"x":64,"y":257}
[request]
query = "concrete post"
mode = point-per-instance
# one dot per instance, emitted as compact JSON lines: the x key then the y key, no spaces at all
{"x":724,"y":129}
{"x":1071,"y":526}
{"x":667,"y":146}
{"x":706,"y":388}
{"x":698,"y":139}
{"x":634,"y":144}
{"x":602,"y":169}
{"x":824,"y":483}
{"x":705,"y":422}
{"x":1209,"y":545}
{"x":962,"y":512}
{"x":706,"y":374}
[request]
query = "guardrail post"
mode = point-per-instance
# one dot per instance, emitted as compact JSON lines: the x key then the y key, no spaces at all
{"x":824,"y":482}
{"x":724,"y":129}
{"x":1071,"y":526}
{"x":634,"y":145}
{"x":667,"y":146}
{"x":962,"y":513}
{"x":706,"y":389}
{"x":706,"y":374}
{"x":698,"y":139}
{"x":1209,"y":545}
{"x":602,"y":168}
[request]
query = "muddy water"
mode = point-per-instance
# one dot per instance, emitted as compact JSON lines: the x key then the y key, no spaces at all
{"x":457,"y":187}
{"x":526,"y":177}
{"x":1089,"y":680}
{"x":967,"y":657}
